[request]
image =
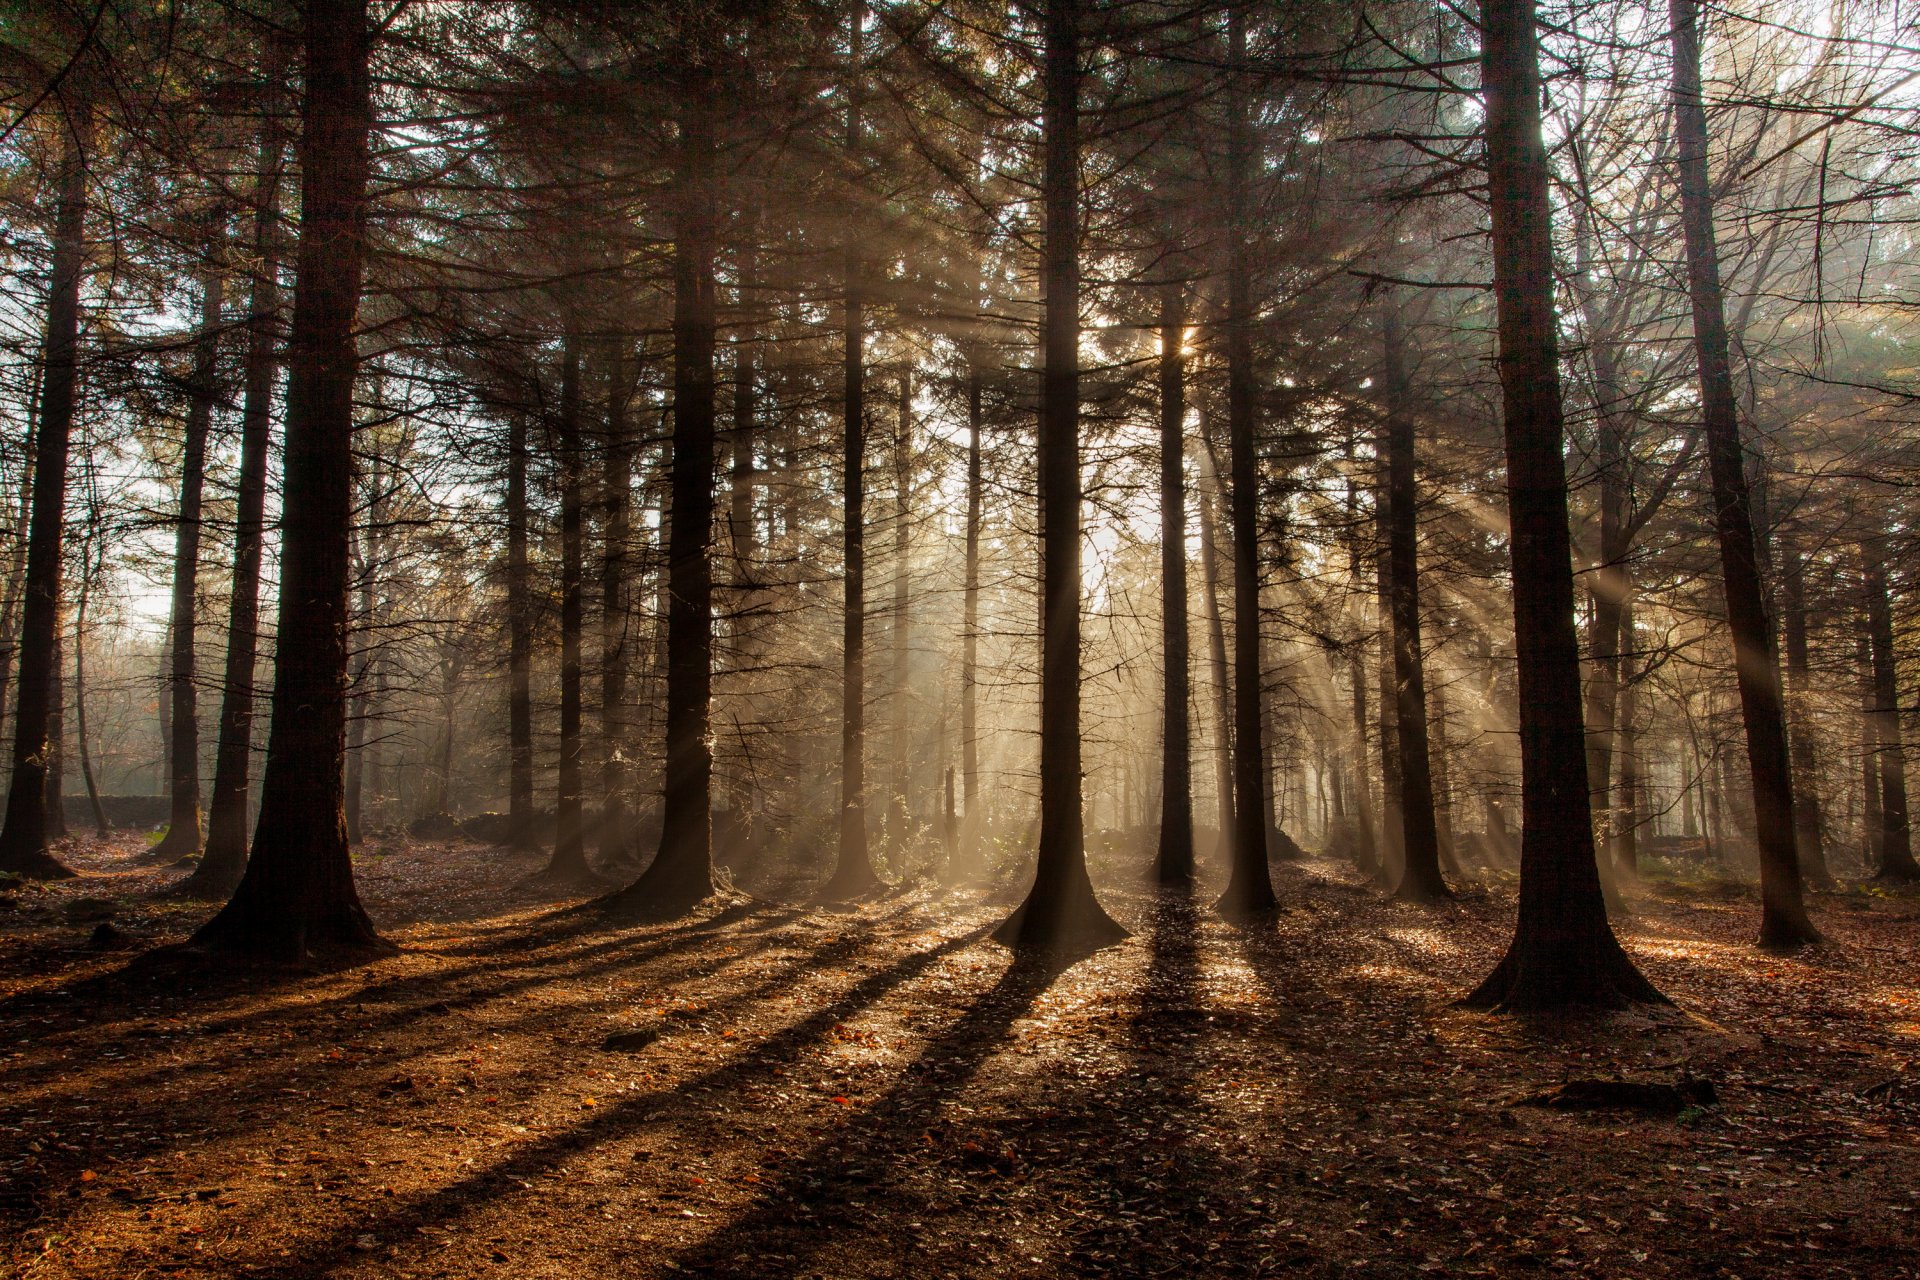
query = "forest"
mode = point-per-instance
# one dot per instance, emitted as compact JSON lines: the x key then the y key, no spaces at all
{"x":1018,"y":638}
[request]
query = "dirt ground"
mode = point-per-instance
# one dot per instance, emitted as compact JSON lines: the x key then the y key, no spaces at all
{"x":878,"y":1091}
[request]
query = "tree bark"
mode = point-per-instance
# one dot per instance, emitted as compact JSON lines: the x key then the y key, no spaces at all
{"x":970,"y":636}
{"x":520,"y":833}
{"x":23,"y":838}
{"x":183,"y":838}
{"x":1563,"y":951}
{"x":901,"y":819}
{"x":616,"y":833}
{"x":1784,"y":922}
{"x":1895,"y":846}
{"x":1249,"y":891}
{"x":297,"y":896}
{"x":224,"y":859}
{"x":1173,"y":865}
{"x":853,"y":872}
{"x":1060,"y":914}
{"x":681,"y":875}
{"x":1420,"y":879}
{"x":1808,"y":838}
{"x":568,"y":863}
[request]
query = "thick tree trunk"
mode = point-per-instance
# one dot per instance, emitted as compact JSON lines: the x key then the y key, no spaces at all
{"x":520,"y":833}
{"x":1420,"y":879}
{"x":681,"y":875}
{"x":23,"y":838}
{"x":1563,"y":951}
{"x":1249,"y":891}
{"x":615,"y":839}
{"x":224,"y":858}
{"x":1895,"y":845}
{"x":1784,"y":921}
{"x":1808,"y":838}
{"x":297,"y":896}
{"x":853,"y":872}
{"x":1060,"y":913}
{"x":568,"y":863}
{"x":1173,"y":865}
{"x":183,"y":836}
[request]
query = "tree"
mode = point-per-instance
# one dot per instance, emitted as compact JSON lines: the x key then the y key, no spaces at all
{"x":297,"y":896}
{"x":1563,"y":952}
{"x":681,"y":875}
{"x":23,"y":838}
{"x":1784,"y":922}
{"x":1060,"y":914}
{"x":1173,"y":865}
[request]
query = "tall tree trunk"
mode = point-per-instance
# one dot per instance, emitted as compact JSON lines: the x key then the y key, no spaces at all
{"x":360,"y":683}
{"x":1060,"y":913}
{"x":970,"y":636}
{"x":298,"y":895}
{"x":1624,"y":828}
{"x":853,"y":872}
{"x":1249,"y":889}
{"x":1871,"y":822}
{"x":616,"y":622}
{"x":1220,"y":679}
{"x":1895,"y":845}
{"x":1173,"y":866}
{"x":23,"y":838}
{"x":681,"y":875}
{"x":1808,"y":839}
{"x":1366,"y":847}
{"x":743,"y":537}
{"x":1420,"y":879}
{"x":57,"y":739}
{"x":902,"y":638}
{"x":93,"y":569}
{"x":1563,"y":951}
{"x":1784,"y":922}
{"x":520,"y":832}
{"x":568,"y":864}
{"x":183,"y":822}
{"x":224,"y":858}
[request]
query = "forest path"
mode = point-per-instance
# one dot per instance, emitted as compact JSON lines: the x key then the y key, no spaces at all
{"x":880,"y":1091}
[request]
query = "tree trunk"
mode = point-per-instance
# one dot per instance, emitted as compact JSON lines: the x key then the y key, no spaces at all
{"x":1784,"y":921}
{"x":616,"y":833}
{"x":1872,"y":824}
{"x":297,"y":896}
{"x":100,"y":823}
{"x":1221,"y":681}
{"x":23,"y":838}
{"x":1896,"y":861}
{"x":1808,"y":839}
{"x":681,"y":875}
{"x":568,"y":864}
{"x":902,"y":808}
{"x":183,"y":836}
{"x":853,"y":872}
{"x":1060,"y":914}
{"x":1173,"y":866}
{"x":1249,"y":891}
{"x":1420,"y":879}
{"x":224,"y":858}
{"x":970,"y":637}
{"x":1563,"y":951}
{"x":520,"y":833}
{"x":1624,"y":828}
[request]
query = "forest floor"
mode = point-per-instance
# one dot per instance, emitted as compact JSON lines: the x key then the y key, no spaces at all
{"x":879,"y":1091}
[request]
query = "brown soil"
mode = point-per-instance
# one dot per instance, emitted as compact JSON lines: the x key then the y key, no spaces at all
{"x":877,"y":1091}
